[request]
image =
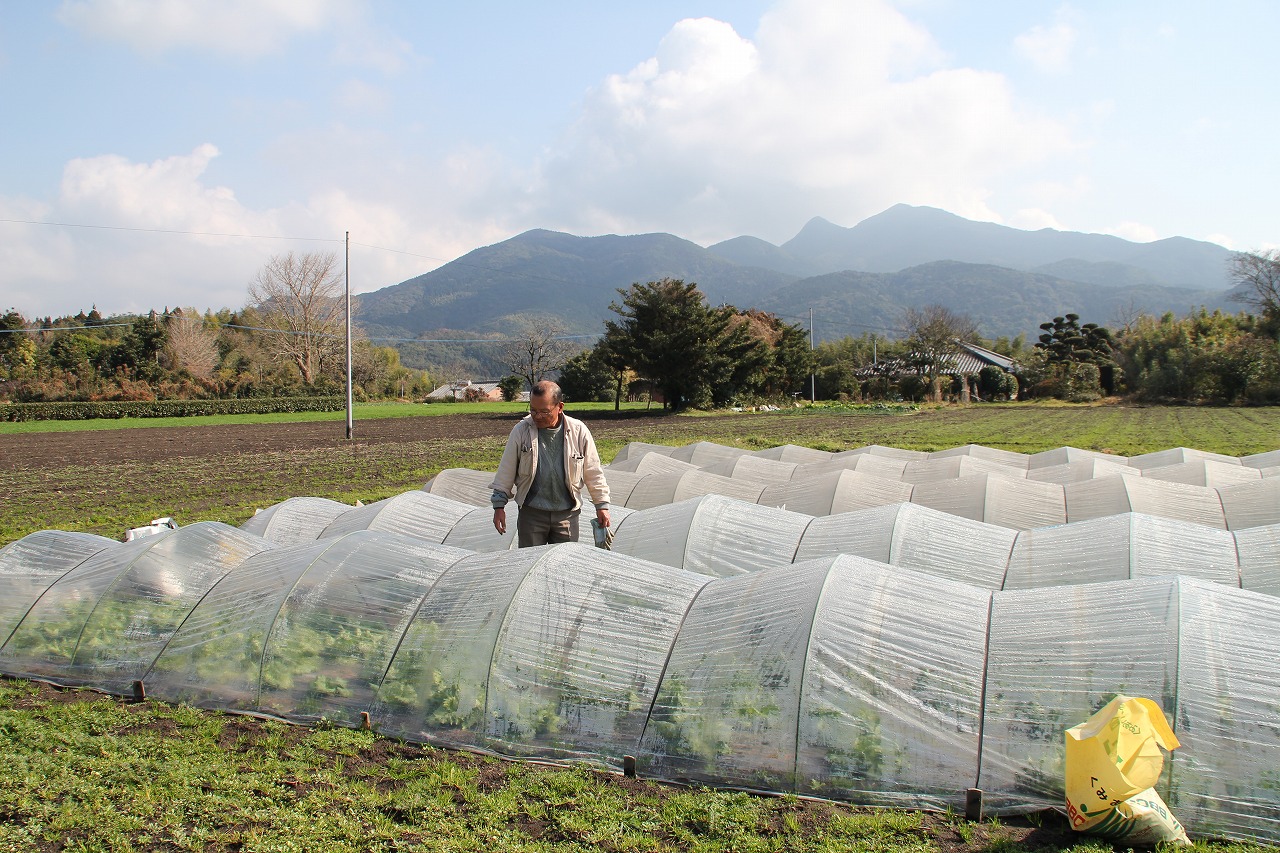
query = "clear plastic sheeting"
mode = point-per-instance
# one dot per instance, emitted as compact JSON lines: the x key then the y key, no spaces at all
{"x":951,"y":467}
{"x":554,"y":651}
{"x":103,"y":623}
{"x":1204,"y":472}
{"x":728,"y":707}
{"x":893,"y":655}
{"x":712,"y":535}
{"x":415,"y":513}
{"x":1068,"y":455}
{"x":886,"y":452}
{"x":621,"y":485}
{"x":1011,"y":458}
{"x":1178,"y":455}
{"x":1116,"y":494}
{"x":662,"y":489}
{"x":996,"y":499}
{"x":1056,"y":656}
{"x":840,"y":677}
{"x":798,"y":455}
{"x":462,"y":485}
{"x":891,"y":707}
{"x":748,"y":467}
{"x":1205,"y":653}
{"x":915,"y":537}
{"x":475,"y":531}
{"x":303,"y":633}
{"x":639,"y":448}
{"x":1259,"y":555}
{"x":1224,"y":781}
{"x":885,"y":467}
{"x":30,"y":564}
{"x":295,"y":520}
{"x":1252,"y":504}
{"x":704,"y":453}
{"x":1270,"y":459}
{"x":835,"y":492}
{"x":1120,"y":547}
{"x":1080,"y":469}
{"x":649,"y":463}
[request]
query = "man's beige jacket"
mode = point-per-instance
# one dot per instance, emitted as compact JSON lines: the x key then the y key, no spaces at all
{"x":581,"y":463}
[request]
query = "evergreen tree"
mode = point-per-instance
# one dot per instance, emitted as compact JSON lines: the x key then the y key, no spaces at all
{"x":17,"y":351}
{"x":1066,"y":344}
{"x":694,"y":354}
{"x":139,"y":350}
{"x":587,"y":377}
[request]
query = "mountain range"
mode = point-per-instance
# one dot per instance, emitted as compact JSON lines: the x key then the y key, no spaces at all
{"x":852,"y":279}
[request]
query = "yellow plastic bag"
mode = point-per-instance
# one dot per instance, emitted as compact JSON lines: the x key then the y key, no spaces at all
{"x":1113,"y":760}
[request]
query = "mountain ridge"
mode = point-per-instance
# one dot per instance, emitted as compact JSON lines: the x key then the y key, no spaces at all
{"x":1008,"y":280}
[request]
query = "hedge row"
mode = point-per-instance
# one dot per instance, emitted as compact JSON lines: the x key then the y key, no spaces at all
{"x":167,"y":408}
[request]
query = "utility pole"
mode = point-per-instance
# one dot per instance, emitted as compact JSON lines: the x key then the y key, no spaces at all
{"x":348,"y":278}
{"x":813,"y":378}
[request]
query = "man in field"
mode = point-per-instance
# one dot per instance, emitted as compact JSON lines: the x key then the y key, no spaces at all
{"x":548,"y":459}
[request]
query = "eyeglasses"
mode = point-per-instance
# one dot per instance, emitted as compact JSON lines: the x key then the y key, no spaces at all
{"x":542,"y":413}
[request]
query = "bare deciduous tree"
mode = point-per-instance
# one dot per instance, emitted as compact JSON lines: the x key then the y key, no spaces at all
{"x":1257,"y":278}
{"x":934,"y":334}
{"x":190,"y":345}
{"x":299,"y":297}
{"x":536,"y":350}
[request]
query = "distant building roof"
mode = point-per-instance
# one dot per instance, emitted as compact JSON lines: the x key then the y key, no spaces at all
{"x":456,"y":390}
{"x":971,"y":359}
{"x":462,"y":386}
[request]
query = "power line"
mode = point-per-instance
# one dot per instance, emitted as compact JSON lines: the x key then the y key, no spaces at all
{"x":46,"y":329}
{"x":286,"y":237}
{"x":455,"y":262}
{"x":68,"y":328}
{"x":170,"y":231}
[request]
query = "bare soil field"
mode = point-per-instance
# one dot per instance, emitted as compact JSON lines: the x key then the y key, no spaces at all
{"x":106,"y":481}
{"x":55,"y":450}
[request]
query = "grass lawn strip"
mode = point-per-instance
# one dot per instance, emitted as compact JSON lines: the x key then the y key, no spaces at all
{"x":88,"y":772}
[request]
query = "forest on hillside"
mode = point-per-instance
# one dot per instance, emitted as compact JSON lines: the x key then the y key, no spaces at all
{"x":291,"y":340}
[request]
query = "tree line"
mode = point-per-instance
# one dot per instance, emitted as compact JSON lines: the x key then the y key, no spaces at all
{"x":288,"y":341}
{"x":665,"y":343}
{"x":668,"y":339}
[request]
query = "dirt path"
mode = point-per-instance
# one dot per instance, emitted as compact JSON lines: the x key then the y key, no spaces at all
{"x":58,"y":450}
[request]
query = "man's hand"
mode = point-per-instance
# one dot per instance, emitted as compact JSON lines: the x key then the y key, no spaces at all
{"x":602,"y":516}
{"x":500,"y":519}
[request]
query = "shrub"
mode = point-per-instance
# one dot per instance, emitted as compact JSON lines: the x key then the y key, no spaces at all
{"x":995,"y":383}
{"x":913,"y":388}
{"x":62,"y":411}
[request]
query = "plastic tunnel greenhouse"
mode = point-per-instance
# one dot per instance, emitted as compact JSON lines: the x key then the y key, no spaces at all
{"x":877,"y":626}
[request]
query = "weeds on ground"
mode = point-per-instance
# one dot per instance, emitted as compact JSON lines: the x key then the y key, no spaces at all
{"x":90,"y":772}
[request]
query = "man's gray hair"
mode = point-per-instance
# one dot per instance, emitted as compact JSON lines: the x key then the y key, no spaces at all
{"x":547,"y":388}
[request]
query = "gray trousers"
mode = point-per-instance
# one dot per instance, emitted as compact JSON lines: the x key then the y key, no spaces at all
{"x":544,"y":527}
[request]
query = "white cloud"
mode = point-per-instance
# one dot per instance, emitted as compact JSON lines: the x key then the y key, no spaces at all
{"x":1033,"y":219}
{"x":238,"y":27}
{"x":381,"y":50}
{"x":837,"y":108}
{"x":1048,"y":48}
{"x":1135,"y":231}
{"x":164,"y":194}
{"x":161,"y":236}
{"x":359,"y":96}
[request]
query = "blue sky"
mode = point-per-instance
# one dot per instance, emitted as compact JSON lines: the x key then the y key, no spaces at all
{"x":428,"y":129}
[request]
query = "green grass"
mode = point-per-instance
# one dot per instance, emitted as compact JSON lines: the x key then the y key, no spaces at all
{"x":99,"y":774}
{"x":108,"y":497}
{"x":359,"y":412}
{"x":91,"y":773}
